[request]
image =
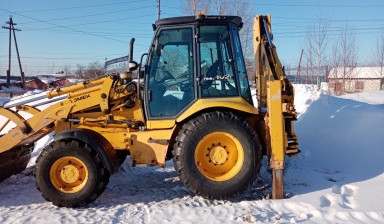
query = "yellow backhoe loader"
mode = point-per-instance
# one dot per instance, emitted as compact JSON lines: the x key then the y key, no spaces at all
{"x":191,"y":103}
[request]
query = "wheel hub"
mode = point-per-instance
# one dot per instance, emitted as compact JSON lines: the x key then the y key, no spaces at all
{"x":69,"y":174}
{"x":218,"y":155}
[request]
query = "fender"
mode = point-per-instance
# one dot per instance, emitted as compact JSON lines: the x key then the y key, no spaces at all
{"x":95,"y":141}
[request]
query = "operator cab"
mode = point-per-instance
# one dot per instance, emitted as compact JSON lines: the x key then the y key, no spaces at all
{"x":193,"y":58}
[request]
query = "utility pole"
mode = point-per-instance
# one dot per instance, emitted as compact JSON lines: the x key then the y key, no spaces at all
{"x":298,"y":67}
{"x":12,"y":29}
{"x":158,"y":9}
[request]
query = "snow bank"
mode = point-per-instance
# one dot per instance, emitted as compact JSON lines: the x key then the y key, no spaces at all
{"x":342,"y":143}
{"x":305,"y":95}
{"x":376,"y":97}
{"x":338,"y":178}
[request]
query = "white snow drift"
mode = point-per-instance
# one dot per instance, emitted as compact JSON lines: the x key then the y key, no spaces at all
{"x":338,"y":178}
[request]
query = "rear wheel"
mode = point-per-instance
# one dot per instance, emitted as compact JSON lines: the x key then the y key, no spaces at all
{"x":70,"y":174}
{"x":216,"y":155}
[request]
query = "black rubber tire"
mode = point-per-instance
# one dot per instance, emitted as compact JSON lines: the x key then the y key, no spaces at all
{"x":14,"y":161}
{"x":184,"y":149}
{"x":98,"y":176}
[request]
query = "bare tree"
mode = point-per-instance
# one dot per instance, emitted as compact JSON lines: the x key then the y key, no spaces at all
{"x":80,"y":71}
{"x":245,"y":10}
{"x":118,"y":68}
{"x":223,"y":7}
{"x":344,"y":59}
{"x":193,"y":7}
{"x":309,"y":55}
{"x":94,"y":70}
{"x":316,"y":46}
{"x":379,"y":60}
{"x":67,"y":69}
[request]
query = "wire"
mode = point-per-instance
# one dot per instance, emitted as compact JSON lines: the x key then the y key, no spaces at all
{"x":299,"y":20}
{"x":113,"y":20}
{"x":314,"y":5}
{"x":91,"y":15}
{"x":84,"y":6}
{"x":66,"y":27}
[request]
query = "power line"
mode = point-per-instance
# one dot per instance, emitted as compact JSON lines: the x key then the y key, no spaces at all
{"x":54,"y":58}
{"x":330,"y":34}
{"x":339,"y":30}
{"x":114,"y":20}
{"x":305,"y":29}
{"x":105,"y":34}
{"x":319,"y":5}
{"x":61,"y":53}
{"x":322,"y":19}
{"x":66,"y":27}
{"x":91,"y":15}
{"x":84,"y":6}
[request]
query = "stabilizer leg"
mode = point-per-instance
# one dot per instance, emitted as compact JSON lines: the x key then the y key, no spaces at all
{"x":277,"y":184}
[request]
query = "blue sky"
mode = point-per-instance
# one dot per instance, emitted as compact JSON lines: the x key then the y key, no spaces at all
{"x":59,"y":33}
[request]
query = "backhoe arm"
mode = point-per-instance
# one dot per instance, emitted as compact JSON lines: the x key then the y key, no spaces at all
{"x":275,"y":96}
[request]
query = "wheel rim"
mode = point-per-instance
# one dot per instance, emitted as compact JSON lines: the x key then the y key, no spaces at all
{"x":219,"y":156}
{"x":68,"y":174}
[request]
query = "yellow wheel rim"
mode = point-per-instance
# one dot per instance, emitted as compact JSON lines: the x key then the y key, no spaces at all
{"x":68,"y":174}
{"x":219,"y":156}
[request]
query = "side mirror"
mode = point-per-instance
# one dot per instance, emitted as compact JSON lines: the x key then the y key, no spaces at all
{"x":141,"y":70}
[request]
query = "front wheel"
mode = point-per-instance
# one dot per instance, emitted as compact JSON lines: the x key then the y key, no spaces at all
{"x":70,"y":174}
{"x":216,"y":155}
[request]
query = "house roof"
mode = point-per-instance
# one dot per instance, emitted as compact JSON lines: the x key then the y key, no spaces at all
{"x":356,"y":73}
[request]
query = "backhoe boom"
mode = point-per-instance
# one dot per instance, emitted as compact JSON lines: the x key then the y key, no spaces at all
{"x":275,"y":96}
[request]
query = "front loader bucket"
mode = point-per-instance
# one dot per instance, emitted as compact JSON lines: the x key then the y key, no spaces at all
{"x":14,"y":161}
{"x":16,"y":145}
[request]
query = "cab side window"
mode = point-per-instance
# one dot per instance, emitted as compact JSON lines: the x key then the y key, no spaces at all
{"x":241,"y":69}
{"x":216,"y":62}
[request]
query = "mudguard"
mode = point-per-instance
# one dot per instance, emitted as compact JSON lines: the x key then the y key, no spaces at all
{"x":96,"y":142}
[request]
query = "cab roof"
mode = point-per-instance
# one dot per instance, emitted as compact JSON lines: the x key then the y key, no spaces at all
{"x":200,"y":19}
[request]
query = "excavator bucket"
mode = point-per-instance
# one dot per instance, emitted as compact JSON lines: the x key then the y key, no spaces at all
{"x":18,"y":143}
{"x":14,"y":161}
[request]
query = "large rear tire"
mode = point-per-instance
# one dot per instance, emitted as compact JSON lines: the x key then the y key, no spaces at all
{"x":216,"y":155}
{"x":14,"y":161}
{"x":70,"y":174}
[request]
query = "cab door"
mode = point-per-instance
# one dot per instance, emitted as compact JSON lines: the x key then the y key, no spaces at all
{"x":170,"y":85}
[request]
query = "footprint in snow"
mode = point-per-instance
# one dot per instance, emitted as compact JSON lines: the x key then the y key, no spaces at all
{"x":346,"y":193}
{"x":137,"y":214}
{"x":325,"y":202}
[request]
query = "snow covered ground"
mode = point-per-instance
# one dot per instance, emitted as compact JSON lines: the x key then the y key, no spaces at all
{"x":338,"y":178}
